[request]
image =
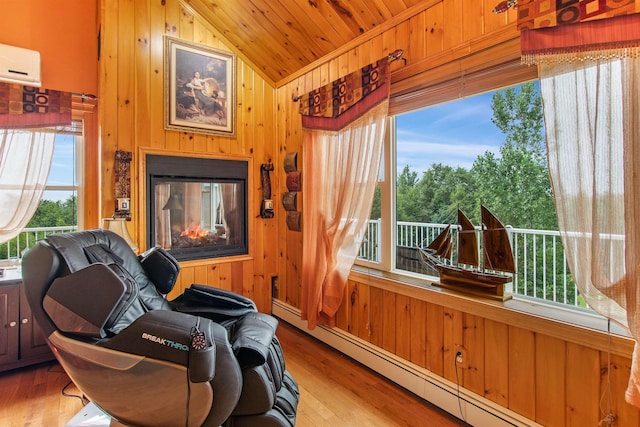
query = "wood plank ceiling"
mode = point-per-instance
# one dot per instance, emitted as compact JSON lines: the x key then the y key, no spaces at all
{"x":281,"y":37}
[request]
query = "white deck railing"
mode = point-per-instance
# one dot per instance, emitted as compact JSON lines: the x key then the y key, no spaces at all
{"x":14,"y":248}
{"x":541,"y":266}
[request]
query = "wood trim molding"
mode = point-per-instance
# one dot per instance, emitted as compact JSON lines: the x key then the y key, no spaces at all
{"x":89,"y":201}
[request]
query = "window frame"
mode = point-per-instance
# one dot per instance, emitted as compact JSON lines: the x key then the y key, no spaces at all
{"x":485,"y":71}
{"x":387,"y":204}
{"x":79,"y":154}
{"x":495,"y":74}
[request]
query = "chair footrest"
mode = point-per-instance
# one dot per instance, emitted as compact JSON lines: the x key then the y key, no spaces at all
{"x":283,"y":413}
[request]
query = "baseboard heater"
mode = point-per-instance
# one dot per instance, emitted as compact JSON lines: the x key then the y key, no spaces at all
{"x":463,"y":404}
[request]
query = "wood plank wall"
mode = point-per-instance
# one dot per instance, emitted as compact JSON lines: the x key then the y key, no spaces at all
{"x":131,"y":107}
{"x":547,"y":377}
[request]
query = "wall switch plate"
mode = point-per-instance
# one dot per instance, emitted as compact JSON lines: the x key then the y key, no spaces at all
{"x":123,"y":204}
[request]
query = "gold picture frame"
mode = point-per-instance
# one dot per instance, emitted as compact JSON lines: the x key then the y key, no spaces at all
{"x":200,"y":88}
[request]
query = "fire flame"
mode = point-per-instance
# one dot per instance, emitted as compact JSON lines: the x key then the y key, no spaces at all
{"x":195,"y":232}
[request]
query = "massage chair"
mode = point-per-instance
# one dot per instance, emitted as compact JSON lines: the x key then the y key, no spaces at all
{"x":206,"y":358}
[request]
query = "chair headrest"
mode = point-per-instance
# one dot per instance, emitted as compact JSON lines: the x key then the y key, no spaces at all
{"x":82,"y":248}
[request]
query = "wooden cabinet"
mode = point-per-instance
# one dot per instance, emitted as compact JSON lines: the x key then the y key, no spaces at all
{"x":21,"y":341}
{"x":9,"y":320}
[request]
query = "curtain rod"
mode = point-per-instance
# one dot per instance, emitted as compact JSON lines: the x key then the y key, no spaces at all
{"x":396,"y":55}
{"x":84,"y":96}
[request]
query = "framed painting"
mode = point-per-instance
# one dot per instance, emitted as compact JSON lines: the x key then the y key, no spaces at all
{"x":200,"y":88}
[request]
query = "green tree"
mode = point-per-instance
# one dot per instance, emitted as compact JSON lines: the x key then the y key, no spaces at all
{"x":406,"y":207}
{"x":515,"y":185}
{"x":70,"y":211}
{"x":55,"y":213}
{"x":517,"y":112}
{"x":441,"y":191}
{"x":48,"y":214}
{"x":376,"y":208}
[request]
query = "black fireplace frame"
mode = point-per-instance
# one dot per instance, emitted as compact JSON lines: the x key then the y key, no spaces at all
{"x":161,"y":168}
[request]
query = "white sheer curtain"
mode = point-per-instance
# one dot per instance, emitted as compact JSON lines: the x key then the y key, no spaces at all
{"x":25,"y":160}
{"x":341,"y":171}
{"x":163,"y":216}
{"x":592,"y":118}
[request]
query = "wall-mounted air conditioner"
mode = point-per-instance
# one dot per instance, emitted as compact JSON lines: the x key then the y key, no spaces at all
{"x":18,"y":65}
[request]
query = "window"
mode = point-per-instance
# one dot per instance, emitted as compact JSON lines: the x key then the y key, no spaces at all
{"x":60,"y":207}
{"x":61,"y":202}
{"x":487,"y":147}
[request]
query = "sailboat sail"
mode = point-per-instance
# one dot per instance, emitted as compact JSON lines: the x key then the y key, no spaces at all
{"x":496,"y":246}
{"x":447,"y":249}
{"x":467,"y":241}
{"x":441,"y":245}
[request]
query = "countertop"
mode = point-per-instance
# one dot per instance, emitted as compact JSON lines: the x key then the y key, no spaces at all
{"x":10,"y":276}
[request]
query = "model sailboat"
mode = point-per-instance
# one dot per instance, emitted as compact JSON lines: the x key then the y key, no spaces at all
{"x":468,"y":274}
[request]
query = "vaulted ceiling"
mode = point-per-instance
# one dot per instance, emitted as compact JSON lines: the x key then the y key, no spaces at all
{"x":282,"y":37}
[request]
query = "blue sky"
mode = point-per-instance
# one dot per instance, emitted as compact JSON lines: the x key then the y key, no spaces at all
{"x":62,"y":167}
{"x":455,"y":133}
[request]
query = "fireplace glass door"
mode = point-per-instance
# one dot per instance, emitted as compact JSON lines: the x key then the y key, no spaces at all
{"x":198,"y":217}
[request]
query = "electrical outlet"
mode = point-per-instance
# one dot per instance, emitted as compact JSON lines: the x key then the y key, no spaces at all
{"x":459,"y":357}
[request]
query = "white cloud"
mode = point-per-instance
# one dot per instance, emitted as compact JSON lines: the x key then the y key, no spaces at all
{"x":420,"y":155}
{"x":467,"y":112}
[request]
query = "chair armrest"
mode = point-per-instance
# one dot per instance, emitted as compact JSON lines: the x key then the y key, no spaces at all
{"x":168,"y":335}
{"x":213,"y":303}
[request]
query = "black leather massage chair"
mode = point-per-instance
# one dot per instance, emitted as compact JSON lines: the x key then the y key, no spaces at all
{"x":206,"y":358}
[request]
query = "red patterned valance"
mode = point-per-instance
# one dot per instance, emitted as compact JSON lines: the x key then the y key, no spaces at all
{"x":28,"y":107}
{"x":613,"y":37}
{"x":550,"y":13}
{"x":338,"y":103}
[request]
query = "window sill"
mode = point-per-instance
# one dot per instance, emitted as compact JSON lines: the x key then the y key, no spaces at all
{"x":580,"y":328}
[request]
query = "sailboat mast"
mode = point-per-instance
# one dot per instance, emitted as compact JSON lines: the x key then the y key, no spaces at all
{"x":482,"y":242}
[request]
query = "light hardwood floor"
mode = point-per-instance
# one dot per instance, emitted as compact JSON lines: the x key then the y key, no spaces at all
{"x":335,"y":391}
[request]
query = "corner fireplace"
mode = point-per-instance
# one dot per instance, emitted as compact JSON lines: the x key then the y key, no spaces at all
{"x":197,"y":207}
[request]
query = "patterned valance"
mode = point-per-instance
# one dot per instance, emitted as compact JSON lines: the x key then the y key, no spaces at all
{"x":534,"y":14}
{"x":338,"y":103}
{"x":31,"y":107}
{"x":615,"y":37}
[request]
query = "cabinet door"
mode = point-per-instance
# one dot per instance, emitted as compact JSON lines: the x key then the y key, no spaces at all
{"x":32,"y":340}
{"x":9,"y":323}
